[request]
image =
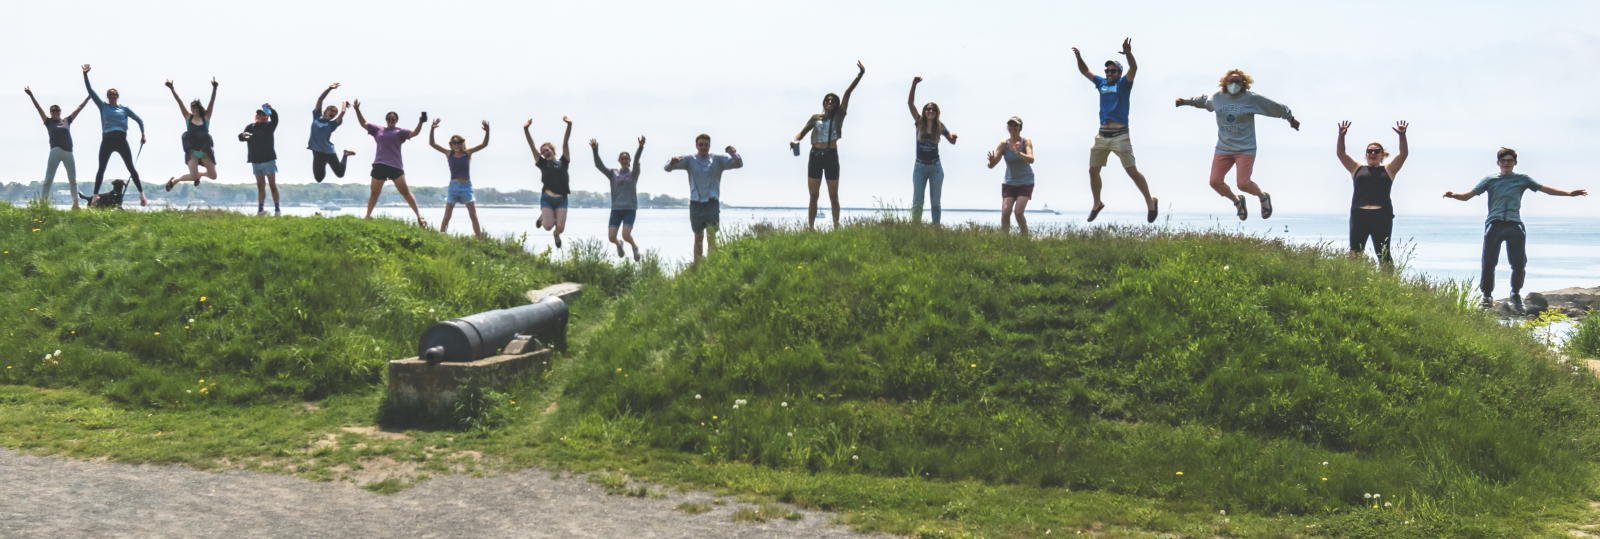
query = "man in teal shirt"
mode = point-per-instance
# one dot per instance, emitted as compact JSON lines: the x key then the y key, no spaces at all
{"x":1504,"y":224}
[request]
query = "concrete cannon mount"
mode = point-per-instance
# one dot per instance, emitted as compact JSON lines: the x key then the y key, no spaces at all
{"x":414,"y":384}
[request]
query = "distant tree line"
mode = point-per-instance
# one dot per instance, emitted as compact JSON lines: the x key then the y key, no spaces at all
{"x":222,"y":194}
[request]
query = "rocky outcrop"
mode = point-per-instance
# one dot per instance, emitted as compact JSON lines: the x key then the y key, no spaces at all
{"x":1573,"y":301}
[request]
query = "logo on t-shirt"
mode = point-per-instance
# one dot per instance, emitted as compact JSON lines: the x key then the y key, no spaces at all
{"x":1108,"y":89}
{"x":1229,"y":118}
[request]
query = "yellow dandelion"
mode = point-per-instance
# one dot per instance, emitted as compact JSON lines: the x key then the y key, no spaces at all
{"x":713,"y":417}
{"x":35,"y":230}
{"x":513,"y":402}
{"x":974,"y":365}
{"x":203,"y":298}
{"x":202,"y":381}
{"x":158,"y":333}
{"x":619,"y":369}
{"x":1324,"y":479}
{"x":1180,"y":473}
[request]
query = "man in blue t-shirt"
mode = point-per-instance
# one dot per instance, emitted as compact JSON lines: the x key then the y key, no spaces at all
{"x":1114,"y":90}
{"x":1504,"y":224}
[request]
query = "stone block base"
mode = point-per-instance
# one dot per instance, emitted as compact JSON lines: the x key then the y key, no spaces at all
{"x":432,"y":389}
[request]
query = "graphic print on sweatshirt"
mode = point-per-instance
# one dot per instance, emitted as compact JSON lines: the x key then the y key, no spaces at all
{"x":1234,"y":115}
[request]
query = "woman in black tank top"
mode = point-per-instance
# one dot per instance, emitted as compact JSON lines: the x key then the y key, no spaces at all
{"x":1371,"y":210}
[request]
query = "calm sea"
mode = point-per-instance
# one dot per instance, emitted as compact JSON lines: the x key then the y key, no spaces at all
{"x":1562,"y":252}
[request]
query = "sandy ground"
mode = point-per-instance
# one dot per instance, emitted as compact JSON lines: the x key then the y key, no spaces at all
{"x":56,"y":497}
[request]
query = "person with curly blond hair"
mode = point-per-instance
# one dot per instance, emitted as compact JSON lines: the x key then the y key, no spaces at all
{"x":1236,"y":108}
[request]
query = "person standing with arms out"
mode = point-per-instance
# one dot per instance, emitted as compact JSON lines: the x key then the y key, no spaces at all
{"x":386,"y":162}
{"x":459,"y":157}
{"x":554,"y":177}
{"x":323,"y":122}
{"x":1115,"y":89}
{"x":1236,"y":107}
{"x":1504,"y":224}
{"x":1371,"y":210}
{"x":624,"y":195}
{"x":705,"y":189}
{"x":825,"y":129}
{"x":60,"y":145}
{"x":260,"y":137}
{"x":114,"y":135}
{"x":197,"y":144}
{"x":927,"y":175}
{"x":1018,"y":187}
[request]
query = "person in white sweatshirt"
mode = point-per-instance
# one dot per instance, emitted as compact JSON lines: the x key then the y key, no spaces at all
{"x":1236,"y":107}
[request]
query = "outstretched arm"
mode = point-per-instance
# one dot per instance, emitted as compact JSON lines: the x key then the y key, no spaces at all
{"x":1133,"y":65}
{"x":42,"y":116}
{"x":599,"y":164}
{"x":1276,"y":110}
{"x":418,"y":131}
{"x":998,"y":153}
{"x":911,"y":101}
{"x":435,"y":143}
{"x":359,"y":116}
{"x":211,"y":105}
{"x":1083,"y":67}
{"x":324,"y":95}
{"x":531,"y":146}
{"x":637,"y":159}
{"x":485,"y":144}
{"x":565,"y":138}
{"x":844,"y":105}
{"x":90,"y":87}
{"x":74,"y":115}
{"x":181,"y":107}
{"x":1344,"y":158}
{"x":1460,"y":196}
{"x":1557,"y":192}
{"x":1399,"y":158}
{"x":1199,"y":102}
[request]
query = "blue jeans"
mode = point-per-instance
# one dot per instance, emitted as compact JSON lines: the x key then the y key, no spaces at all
{"x":1515,"y":237}
{"x":926,"y":176}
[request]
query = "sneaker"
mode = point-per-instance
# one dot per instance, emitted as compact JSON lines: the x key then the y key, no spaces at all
{"x":619,"y":251}
{"x":1488,"y":303}
{"x":277,"y":212}
{"x":558,"y":242}
{"x":636,"y":257}
{"x":1516,"y":303}
{"x":261,"y":212}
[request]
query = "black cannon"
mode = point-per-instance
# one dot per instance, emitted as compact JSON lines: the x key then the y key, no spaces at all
{"x":481,"y":335}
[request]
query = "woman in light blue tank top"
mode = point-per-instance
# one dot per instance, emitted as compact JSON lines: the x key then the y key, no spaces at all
{"x":823,"y":164}
{"x":1018,"y":187}
{"x":459,"y":157}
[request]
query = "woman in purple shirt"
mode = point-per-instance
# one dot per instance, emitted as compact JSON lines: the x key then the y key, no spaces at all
{"x":386,"y":165}
{"x":459,"y":157}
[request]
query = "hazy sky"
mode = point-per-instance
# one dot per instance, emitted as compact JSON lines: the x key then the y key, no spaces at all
{"x":1470,"y":76}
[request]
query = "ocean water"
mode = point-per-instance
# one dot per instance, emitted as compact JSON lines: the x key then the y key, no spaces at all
{"x":1562,"y":251}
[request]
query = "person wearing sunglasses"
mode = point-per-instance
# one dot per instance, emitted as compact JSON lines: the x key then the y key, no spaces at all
{"x":1504,"y":224}
{"x":60,"y":145}
{"x":459,"y":157}
{"x":823,"y":163}
{"x":1371,"y":210}
{"x":1236,"y":108}
{"x":1114,"y":90}
{"x":927,"y":175}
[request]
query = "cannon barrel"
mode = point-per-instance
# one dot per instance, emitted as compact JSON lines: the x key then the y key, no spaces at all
{"x":481,"y":335}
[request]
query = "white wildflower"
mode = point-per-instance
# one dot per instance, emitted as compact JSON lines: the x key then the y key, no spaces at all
{"x":58,"y":352}
{"x":783,"y":404}
{"x":855,"y":457}
{"x":1386,"y":504}
{"x":791,"y":435}
{"x":1324,"y":463}
{"x":696,"y":396}
{"x":1224,"y":512}
{"x":1367,"y":496}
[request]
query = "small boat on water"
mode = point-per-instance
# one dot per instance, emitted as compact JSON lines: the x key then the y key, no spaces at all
{"x":329,"y":206}
{"x":1046,"y":209}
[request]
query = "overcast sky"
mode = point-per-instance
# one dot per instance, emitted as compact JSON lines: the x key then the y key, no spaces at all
{"x":1470,"y":76}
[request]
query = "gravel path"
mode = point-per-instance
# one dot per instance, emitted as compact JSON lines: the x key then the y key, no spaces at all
{"x":56,"y":497}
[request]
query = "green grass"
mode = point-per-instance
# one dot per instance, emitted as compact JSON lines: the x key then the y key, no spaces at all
{"x":182,"y":309}
{"x":1203,"y":368}
{"x":1585,"y":339}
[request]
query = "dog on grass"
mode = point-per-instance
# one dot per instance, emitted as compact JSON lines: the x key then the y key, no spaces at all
{"x":110,"y":199}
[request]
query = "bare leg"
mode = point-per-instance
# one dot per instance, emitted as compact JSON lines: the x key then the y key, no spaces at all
{"x":372,"y":199}
{"x":261,"y":192}
{"x":405,"y":192}
{"x":193,"y":175}
{"x":711,"y":237}
{"x":272,"y":181}
{"x":611,"y":236}
{"x":815,"y":184}
{"x":561,"y":221}
{"x":547,"y":218}
{"x":472,"y":212}
{"x":699,"y":241}
{"x":1020,"y":208}
{"x":444,"y":225}
{"x":1094,"y":186}
{"x":1005,"y":213}
{"x":627,"y":236}
{"x":1138,"y":180}
{"x":833,"y":196}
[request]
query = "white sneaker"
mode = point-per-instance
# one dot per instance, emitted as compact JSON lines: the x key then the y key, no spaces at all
{"x":277,"y":213}
{"x":261,"y":212}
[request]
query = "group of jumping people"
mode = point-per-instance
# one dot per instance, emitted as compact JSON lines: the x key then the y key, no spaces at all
{"x":1234,"y":105}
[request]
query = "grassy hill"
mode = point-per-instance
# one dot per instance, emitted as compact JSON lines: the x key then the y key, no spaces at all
{"x":1198,"y":367}
{"x":143,"y":306}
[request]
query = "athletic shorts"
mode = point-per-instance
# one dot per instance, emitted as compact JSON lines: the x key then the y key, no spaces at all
{"x":623,"y":218}
{"x":1104,"y":147}
{"x":824,"y":163}
{"x":263,"y":169}
{"x":703,"y":214}
{"x":552,"y":202}
{"x":385,"y":172}
{"x":1016,"y":191}
{"x":459,"y":192}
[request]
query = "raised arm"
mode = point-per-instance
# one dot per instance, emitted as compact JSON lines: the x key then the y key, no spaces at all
{"x":1344,"y":158}
{"x":598,"y":163}
{"x":1133,"y":65}
{"x":359,"y":117}
{"x":565,"y":138}
{"x":531,"y":146}
{"x":1557,"y":192}
{"x":181,"y":107}
{"x":331,"y":87}
{"x":734,"y":159}
{"x":1399,"y":158}
{"x":911,"y":100}
{"x":844,"y":105}
{"x":42,"y":116}
{"x":74,"y":115}
{"x":339,"y":120}
{"x":272,"y":116}
{"x":435,"y":143}
{"x":90,"y":87}
{"x":637,"y":159}
{"x":211,"y":106}
{"x":485,"y":144}
{"x":418,"y":131}
{"x":1083,"y":67}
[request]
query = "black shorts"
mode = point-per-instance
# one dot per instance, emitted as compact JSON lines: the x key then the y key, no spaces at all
{"x":704,"y":214}
{"x":386,"y":172}
{"x":823,"y":161}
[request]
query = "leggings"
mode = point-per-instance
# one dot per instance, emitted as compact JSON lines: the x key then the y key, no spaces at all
{"x":59,"y":157}
{"x":320,"y":162}
{"x":1515,"y":237}
{"x":116,"y":141}
{"x":1375,"y":224}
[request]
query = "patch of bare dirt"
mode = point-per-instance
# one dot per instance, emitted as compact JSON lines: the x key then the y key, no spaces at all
{"x":378,"y":434}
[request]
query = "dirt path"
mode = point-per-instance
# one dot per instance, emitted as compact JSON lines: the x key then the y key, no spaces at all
{"x":55,"y":497}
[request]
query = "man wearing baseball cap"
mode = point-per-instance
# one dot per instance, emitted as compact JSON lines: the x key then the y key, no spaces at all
{"x":258,"y":136}
{"x":1114,"y":89}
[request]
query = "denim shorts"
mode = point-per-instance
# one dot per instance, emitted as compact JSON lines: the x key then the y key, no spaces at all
{"x":623,"y":218}
{"x":263,"y":169}
{"x":459,"y":193}
{"x":552,"y":202}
